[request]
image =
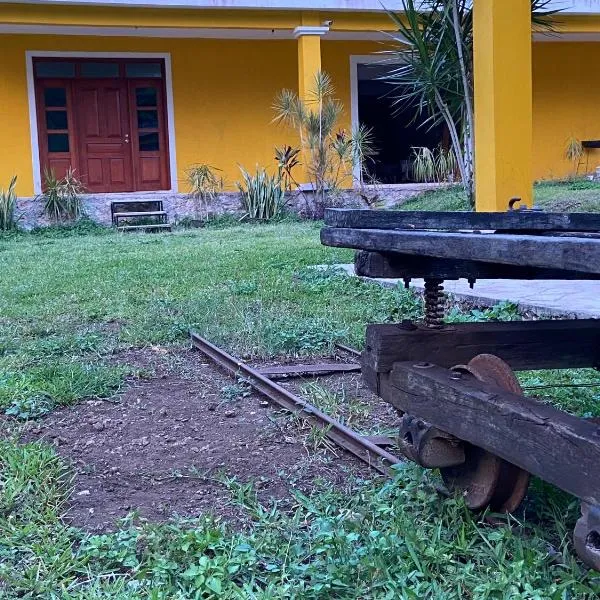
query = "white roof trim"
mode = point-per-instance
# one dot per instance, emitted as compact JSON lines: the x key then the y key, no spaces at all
{"x":567,"y":6}
{"x":316,"y":5}
{"x":184,"y":32}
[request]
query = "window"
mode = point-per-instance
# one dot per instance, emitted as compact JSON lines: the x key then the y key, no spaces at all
{"x":58,"y":142}
{"x":146,"y":96}
{"x":100,"y":69}
{"x":55,"y":97}
{"x":146,"y":99}
{"x":57,"y":119}
{"x":55,"y":69}
{"x":149,"y":142}
{"x":143,"y":69}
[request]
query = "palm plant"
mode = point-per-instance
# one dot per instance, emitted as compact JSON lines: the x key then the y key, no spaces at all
{"x":329,"y":153}
{"x":434,"y":52}
{"x":8,"y":203}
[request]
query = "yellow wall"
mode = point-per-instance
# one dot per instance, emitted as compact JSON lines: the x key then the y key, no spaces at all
{"x":223,"y":91}
{"x":566,"y":102}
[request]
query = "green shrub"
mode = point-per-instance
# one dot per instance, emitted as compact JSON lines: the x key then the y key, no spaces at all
{"x":8,"y":203}
{"x":262,"y":194}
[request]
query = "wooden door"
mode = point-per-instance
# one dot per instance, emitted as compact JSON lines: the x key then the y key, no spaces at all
{"x":149,"y":134}
{"x":104,"y":135}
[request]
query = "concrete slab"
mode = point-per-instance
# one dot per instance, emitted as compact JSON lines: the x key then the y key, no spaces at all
{"x":575,"y":299}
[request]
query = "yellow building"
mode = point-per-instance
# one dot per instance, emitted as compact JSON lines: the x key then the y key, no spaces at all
{"x":130,"y":96}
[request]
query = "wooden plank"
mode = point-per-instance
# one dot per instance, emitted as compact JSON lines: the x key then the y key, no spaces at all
{"x":318,"y":369}
{"x":512,"y":220}
{"x":149,"y":213}
{"x":524,"y":345}
{"x":573,"y":254}
{"x":155,"y":226}
{"x":401,"y":266}
{"x":546,"y":442}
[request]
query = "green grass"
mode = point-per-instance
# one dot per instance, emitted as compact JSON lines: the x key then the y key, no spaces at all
{"x":559,"y":196}
{"x":69,"y":302}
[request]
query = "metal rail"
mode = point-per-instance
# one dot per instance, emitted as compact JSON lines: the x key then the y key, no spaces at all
{"x":346,"y":438}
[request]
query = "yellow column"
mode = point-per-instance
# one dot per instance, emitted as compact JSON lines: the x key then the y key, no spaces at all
{"x":503,"y":102}
{"x":309,"y":52}
{"x":309,"y":64}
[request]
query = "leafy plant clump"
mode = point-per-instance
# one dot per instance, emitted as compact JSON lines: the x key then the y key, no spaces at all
{"x":329,"y":152}
{"x":434,"y":166}
{"x":8,"y":203}
{"x":263,"y":196}
{"x":62,"y":197}
{"x":287,"y":159}
{"x":204,"y":185}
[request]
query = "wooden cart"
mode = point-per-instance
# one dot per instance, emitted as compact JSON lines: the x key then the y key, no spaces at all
{"x":463,"y":409}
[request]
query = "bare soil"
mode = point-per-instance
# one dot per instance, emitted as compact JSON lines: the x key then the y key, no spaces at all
{"x":166,"y":445}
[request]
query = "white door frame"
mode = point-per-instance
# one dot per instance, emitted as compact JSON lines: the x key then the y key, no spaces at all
{"x":33,"y":124}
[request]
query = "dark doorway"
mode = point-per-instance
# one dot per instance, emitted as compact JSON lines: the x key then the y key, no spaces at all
{"x":395,"y":130}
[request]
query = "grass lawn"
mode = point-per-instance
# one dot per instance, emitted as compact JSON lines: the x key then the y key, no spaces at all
{"x":69,"y":302}
{"x":560,"y":196}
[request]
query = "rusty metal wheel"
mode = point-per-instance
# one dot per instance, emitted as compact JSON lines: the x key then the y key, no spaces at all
{"x":486,"y":480}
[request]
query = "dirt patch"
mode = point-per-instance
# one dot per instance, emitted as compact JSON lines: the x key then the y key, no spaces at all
{"x":166,"y":445}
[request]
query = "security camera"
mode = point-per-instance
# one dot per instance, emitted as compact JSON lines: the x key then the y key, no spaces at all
{"x":327,"y":23}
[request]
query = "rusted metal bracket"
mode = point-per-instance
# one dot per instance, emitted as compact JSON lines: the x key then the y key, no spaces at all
{"x":346,"y":438}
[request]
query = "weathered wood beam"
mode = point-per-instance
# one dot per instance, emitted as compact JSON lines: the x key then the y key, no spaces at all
{"x":546,"y":442}
{"x":401,"y":266}
{"x":413,"y":220}
{"x":524,"y":345}
{"x":570,"y":254}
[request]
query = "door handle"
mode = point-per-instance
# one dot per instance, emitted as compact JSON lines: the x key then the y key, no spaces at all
{"x":126,"y":140}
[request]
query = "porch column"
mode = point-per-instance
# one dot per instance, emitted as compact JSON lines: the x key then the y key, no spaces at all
{"x":309,"y":53}
{"x":503,"y":102}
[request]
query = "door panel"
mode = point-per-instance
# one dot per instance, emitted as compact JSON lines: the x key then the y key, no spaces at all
{"x":149,"y":139}
{"x":55,"y":127}
{"x":104,"y":146}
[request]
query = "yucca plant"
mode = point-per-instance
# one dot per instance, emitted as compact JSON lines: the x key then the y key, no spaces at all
{"x":263,"y":197}
{"x":8,"y":204}
{"x":204,"y":185}
{"x":62,"y":197}
{"x":423,"y":164}
{"x":446,"y":165}
{"x":429,"y":166}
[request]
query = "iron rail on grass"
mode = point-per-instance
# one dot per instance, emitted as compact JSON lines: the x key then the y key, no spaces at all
{"x":343,"y":436}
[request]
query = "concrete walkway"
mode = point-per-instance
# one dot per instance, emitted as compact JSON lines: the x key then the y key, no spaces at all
{"x":575,"y":299}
